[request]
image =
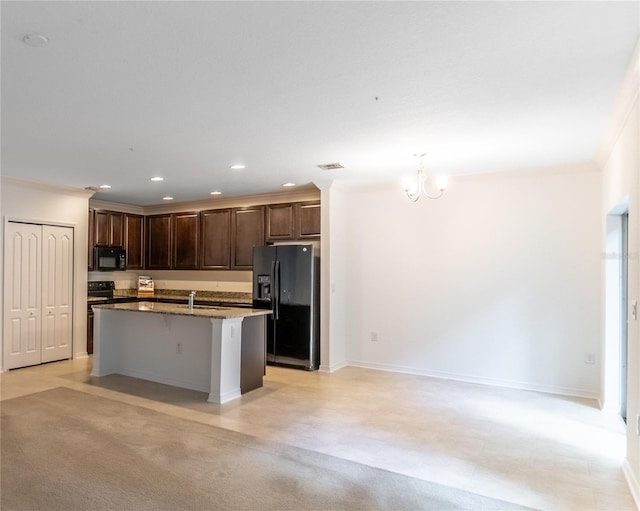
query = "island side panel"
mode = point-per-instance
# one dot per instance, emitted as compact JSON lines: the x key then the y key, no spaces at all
{"x":253,"y":353}
{"x":164,"y":348}
{"x":225,"y":359}
{"x":107,"y":338}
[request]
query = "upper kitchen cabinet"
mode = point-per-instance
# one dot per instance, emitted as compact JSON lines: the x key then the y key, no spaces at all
{"x":247,"y":231}
{"x":172,"y":241}
{"x":307,"y":215}
{"x":186,"y":232}
{"x":108,"y":228}
{"x":295,"y":221}
{"x":134,"y":241}
{"x":215,"y":239}
{"x":279,"y":222}
{"x":158,"y":234}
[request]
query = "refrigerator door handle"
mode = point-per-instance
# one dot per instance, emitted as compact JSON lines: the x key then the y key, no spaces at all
{"x":275,"y":279}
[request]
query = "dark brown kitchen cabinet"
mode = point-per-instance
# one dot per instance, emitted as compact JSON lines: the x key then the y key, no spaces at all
{"x":159,"y":242}
{"x":186,"y":233}
{"x":247,"y":231}
{"x":172,"y":241}
{"x":215,"y":243}
{"x":279,"y":222}
{"x":134,"y":241}
{"x":90,"y":241}
{"x":108,"y":228}
{"x":307,"y":215}
{"x":90,"y":321}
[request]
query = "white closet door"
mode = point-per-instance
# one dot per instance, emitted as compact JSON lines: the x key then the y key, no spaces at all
{"x":57,"y":292}
{"x":22,"y":278}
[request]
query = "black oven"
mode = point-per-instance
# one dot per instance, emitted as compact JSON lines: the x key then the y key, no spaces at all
{"x":110,"y":259}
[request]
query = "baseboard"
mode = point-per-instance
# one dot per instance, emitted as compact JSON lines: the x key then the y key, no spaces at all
{"x":333,"y":367}
{"x":79,"y":356}
{"x":496,"y":382}
{"x":632,"y":482}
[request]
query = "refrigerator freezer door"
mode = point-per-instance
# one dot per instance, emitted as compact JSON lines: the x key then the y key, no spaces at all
{"x":294,"y":329}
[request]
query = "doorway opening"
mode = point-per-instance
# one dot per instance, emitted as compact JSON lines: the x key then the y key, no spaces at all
{"x":616,"y":310}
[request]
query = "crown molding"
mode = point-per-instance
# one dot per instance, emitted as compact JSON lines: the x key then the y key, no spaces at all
{"x":116,"y":206}
{"x":623,"y":106}
{"x":301,"y":194}
{"x":47,"y":187}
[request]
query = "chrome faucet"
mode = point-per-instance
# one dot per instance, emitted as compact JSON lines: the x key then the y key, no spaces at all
{"x":191,"y":295}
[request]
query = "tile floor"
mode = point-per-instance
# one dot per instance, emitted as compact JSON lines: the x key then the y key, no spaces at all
{"x":539,"y":450}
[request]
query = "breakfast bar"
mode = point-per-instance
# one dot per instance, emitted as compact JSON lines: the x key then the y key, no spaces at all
{"x":219,"y":350}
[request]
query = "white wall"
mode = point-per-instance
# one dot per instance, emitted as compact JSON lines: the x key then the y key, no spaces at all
{"x":333,"y":275}
{"x":48,"y":204}
{"x":498,"y":282}
{"x":621,"y":183}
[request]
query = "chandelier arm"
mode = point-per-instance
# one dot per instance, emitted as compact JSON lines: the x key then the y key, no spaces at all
{"x":435,"y":196}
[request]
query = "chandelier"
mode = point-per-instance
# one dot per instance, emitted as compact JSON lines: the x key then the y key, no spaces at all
{"x":417,"y":187}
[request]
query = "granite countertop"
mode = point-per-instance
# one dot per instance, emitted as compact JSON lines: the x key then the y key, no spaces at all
{"x":201,"y":296}
{"x":203,"y":311}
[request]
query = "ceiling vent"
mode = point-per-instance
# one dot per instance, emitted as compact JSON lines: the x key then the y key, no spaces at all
{"x":331,"y":166}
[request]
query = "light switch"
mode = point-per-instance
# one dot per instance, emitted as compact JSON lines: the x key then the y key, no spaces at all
{"x":634,"y":309}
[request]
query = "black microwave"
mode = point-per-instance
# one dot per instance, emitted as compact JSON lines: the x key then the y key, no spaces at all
{"x":110,"y":259}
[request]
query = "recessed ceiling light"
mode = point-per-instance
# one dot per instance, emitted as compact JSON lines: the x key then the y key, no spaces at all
{"x":287,"y":185}
{"x":237,"y":167}
{"x":167,"y":198}
{"x":157,"y":178}
{"x":216,"y":192}
{"x":35,"y":40}
{"x":105,"y":187}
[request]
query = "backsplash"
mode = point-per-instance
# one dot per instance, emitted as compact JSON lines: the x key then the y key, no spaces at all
{"x":227,"y":281}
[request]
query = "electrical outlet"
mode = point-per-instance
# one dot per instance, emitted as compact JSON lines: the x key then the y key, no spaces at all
{"x":374,"y":336}
{"x":589,"y":358}
{"x":179,"y":348}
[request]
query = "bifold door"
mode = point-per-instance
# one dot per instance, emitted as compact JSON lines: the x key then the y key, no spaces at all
{"x":38,"y":316}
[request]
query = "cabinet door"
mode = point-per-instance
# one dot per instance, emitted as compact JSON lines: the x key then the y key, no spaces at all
{"x":215,"y":239}
{"x":279,"y":222}
{"x":307,"y":220}
{"x":134,"y":241}
{"x":101,"y":229}
{"x":90,"y":229}
{"x":159,"y":242}
{"x":186,"y":233}
{"x":90,"y":332}
{"x":248,"y":232}
{"x":116,"y":229}
{"x":108,"y":228}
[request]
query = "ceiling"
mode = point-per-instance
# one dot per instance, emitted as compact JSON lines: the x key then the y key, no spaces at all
{"x":125,"y":91}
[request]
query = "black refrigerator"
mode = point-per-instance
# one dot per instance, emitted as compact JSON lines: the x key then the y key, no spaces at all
{"x":285,"y":280}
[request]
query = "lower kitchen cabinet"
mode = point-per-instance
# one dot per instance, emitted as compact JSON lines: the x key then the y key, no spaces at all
{"x":90,"y":331}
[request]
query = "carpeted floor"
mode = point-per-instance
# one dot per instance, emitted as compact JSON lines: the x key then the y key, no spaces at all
{"x":66,"y":450}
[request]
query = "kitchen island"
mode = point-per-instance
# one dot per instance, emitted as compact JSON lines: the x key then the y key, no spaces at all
{"x":219,"y":350}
